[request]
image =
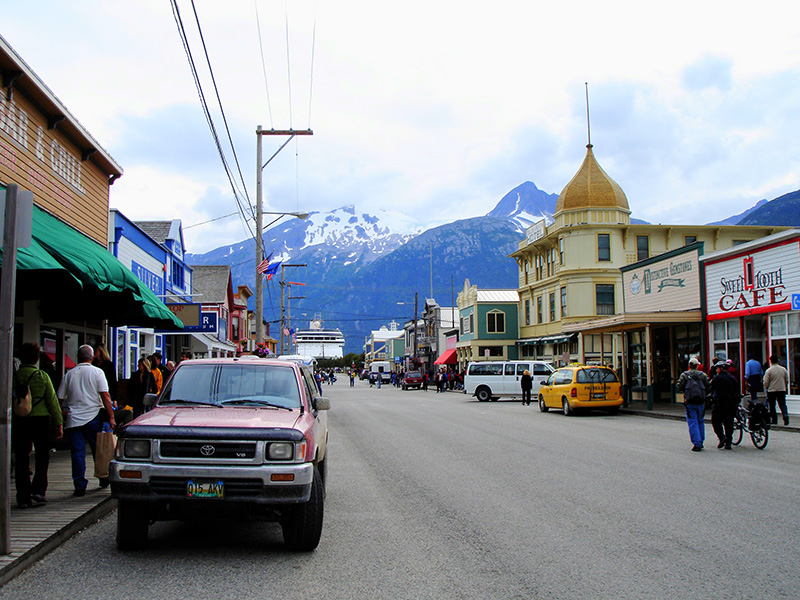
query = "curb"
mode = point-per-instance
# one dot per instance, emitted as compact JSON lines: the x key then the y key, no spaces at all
{"x":45,"y":547}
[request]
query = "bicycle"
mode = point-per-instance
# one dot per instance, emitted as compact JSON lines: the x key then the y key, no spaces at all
{"x":757,"y":425}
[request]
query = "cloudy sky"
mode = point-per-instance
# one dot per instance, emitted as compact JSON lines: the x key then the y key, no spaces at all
{"x":425,"y":108}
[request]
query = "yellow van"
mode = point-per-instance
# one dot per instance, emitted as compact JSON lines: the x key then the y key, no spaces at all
{"x":581,"y":386}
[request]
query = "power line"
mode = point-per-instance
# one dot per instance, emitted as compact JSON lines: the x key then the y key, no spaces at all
{"x":219,"y":102}
{"x":264,"y":66}
{"x":207,"y":112}
{"x":313,"y":47}
{"x":289,"y":65}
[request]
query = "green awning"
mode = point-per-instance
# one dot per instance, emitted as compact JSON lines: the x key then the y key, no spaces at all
{"x":75,"y":278}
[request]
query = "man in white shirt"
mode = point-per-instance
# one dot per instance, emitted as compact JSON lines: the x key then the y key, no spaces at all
{"x":84,"y":395}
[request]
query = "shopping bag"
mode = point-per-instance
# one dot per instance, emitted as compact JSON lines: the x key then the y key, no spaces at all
{"x":103,"y":453}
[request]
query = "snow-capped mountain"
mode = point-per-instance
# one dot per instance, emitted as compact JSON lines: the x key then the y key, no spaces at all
{"x":525,"y":205}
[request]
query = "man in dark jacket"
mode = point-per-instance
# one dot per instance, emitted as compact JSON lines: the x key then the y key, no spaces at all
{"x":695,"y":386}
{"x":726,"y":400}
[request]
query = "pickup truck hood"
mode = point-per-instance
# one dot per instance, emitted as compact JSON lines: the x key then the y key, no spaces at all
{"x":239,"y":417}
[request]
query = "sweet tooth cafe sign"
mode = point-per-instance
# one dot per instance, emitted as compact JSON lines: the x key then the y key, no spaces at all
{"x":760,"y":282}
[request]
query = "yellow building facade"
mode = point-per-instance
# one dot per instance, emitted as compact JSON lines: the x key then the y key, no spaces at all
{"x":569,"y":271}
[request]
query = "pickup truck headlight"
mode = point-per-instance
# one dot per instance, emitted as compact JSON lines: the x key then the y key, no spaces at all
{"x":280,"y":451}
{"x":136,"y":448}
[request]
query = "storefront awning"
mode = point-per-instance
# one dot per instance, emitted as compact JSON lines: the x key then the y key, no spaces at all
{"x":547,"y":339}
{"x":75,"y":278}
{"x":448,"y":357}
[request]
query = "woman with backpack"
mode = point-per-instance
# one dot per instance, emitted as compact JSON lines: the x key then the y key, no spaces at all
{"x":33,"y":429}
{"x":695,"y":386}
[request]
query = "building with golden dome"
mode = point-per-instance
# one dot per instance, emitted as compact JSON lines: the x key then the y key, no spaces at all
{"x":570,"y":285}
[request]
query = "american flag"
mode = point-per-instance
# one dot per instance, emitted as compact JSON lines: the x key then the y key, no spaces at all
{"x":262,"y":266}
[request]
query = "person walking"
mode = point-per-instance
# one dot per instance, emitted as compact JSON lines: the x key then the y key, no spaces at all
{"x":102,"y":359}
{"x":352,"y":378}
{"x":752,"y":374}
{"x":141,"y":382}
{"x":695,"y":386}
{"x":726,"y":400}
{"x":776,"y":382}
{"x":84,"y":395}
{"x":526,"y":383}
{"x":33,"y":430}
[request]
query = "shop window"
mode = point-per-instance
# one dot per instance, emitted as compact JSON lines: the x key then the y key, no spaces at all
{"x":604,"y":296}
{"x":642,"y":247}
{"x":492,"y":351}
{"x":603,"y":247}
{"x":495,"y":322}
{"x":794,"y":324}
{"x":563,"y":302}
{"x":778,"y":325}
{"x":733,"y":329}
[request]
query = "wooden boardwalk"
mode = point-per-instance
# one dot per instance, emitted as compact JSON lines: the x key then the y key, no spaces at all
{"x":38,"y":530}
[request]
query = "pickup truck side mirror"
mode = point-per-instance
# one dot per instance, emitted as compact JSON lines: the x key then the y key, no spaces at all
{"x":323,"y":403}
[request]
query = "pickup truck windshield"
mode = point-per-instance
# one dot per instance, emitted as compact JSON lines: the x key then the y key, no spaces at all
{"x":233,"y":384}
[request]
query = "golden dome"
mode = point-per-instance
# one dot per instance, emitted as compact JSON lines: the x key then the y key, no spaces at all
{"x":591,"y":188}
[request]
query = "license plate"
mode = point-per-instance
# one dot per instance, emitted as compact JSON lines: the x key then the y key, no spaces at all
{"x":205,"y":489}
{"x":598,"y":395}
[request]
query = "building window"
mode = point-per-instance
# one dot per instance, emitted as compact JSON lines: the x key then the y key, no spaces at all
{"x":604,"y":247}
{"x":642,"y":247}
{"x":471,"y":322}
{"x":539,"y":310}
{"x":604,"y":295}
{"x":495,"y":322}
{"x":490,"y":351}
{"x":561,"y":251}
{"x":552,"y":306}
{"x":689,"y":239}
{"x":177,"y":274}
{"x":527,"y":311}
{"x":740,"y":242}
{"x":563,"y":302}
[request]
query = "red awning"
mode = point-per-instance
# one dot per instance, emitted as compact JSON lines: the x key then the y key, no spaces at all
{"x":68,"y":362}
{"x":448,"y":358}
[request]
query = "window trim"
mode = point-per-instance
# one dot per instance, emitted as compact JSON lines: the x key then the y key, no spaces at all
{"x":645,"y":237}
{"x":494,"y":312}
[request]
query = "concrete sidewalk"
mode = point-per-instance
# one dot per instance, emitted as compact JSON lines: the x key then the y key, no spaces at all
{"x":41,"y":529}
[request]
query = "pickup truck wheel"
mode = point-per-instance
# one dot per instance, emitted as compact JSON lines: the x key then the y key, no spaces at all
{"x":542,"y":406}
{"x":302,"y":525}
{"x":132,"y":523}
{"x":483,"y":394}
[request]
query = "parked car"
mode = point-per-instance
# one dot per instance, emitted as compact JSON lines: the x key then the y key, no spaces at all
{"x":245,"y":437}
{"x":412,"y":379}
{"x":581,"y":386}
{"x":490,"y":380}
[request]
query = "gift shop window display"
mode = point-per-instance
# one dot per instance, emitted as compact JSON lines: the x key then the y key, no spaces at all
{"x":784,"y":332}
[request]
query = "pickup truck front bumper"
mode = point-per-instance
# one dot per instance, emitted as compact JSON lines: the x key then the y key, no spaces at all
{"x":254,"y":484}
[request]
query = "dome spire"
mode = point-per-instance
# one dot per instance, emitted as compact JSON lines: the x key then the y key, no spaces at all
{"x":588,"y":126}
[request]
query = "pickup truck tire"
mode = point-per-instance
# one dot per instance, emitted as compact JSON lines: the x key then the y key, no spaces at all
{"x":483,"y":394}
{"x":302,"y":524}
{"x":132,"y":524}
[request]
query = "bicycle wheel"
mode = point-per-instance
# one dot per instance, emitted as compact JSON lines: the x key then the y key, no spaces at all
{"x":736,"y":438}
{"x":760,"y":438}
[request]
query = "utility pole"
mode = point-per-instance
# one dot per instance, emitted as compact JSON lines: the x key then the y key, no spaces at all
{"x":284,"y":283}
{"x":260,"y":215}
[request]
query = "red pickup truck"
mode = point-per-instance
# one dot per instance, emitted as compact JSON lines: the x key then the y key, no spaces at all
{"x":241,"y":436}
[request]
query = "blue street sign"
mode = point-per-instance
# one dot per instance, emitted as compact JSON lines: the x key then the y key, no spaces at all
{"x":795,"y":301}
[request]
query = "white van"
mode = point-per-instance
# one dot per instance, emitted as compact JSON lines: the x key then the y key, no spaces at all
{"x":382,"y":369}
{"x":490,"y":380}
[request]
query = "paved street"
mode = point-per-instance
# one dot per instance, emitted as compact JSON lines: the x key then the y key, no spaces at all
{"x":439,"y":496}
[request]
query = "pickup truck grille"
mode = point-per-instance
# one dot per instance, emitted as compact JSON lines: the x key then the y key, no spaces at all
{"x":208,"y":450}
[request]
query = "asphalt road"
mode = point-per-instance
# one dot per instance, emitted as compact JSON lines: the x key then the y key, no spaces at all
{"x":439,"y":496}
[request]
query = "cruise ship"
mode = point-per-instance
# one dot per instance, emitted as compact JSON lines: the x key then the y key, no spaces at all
{"x":318,"y":342}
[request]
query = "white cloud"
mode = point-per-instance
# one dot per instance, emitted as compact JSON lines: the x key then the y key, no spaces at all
{"x":429,"y":109}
